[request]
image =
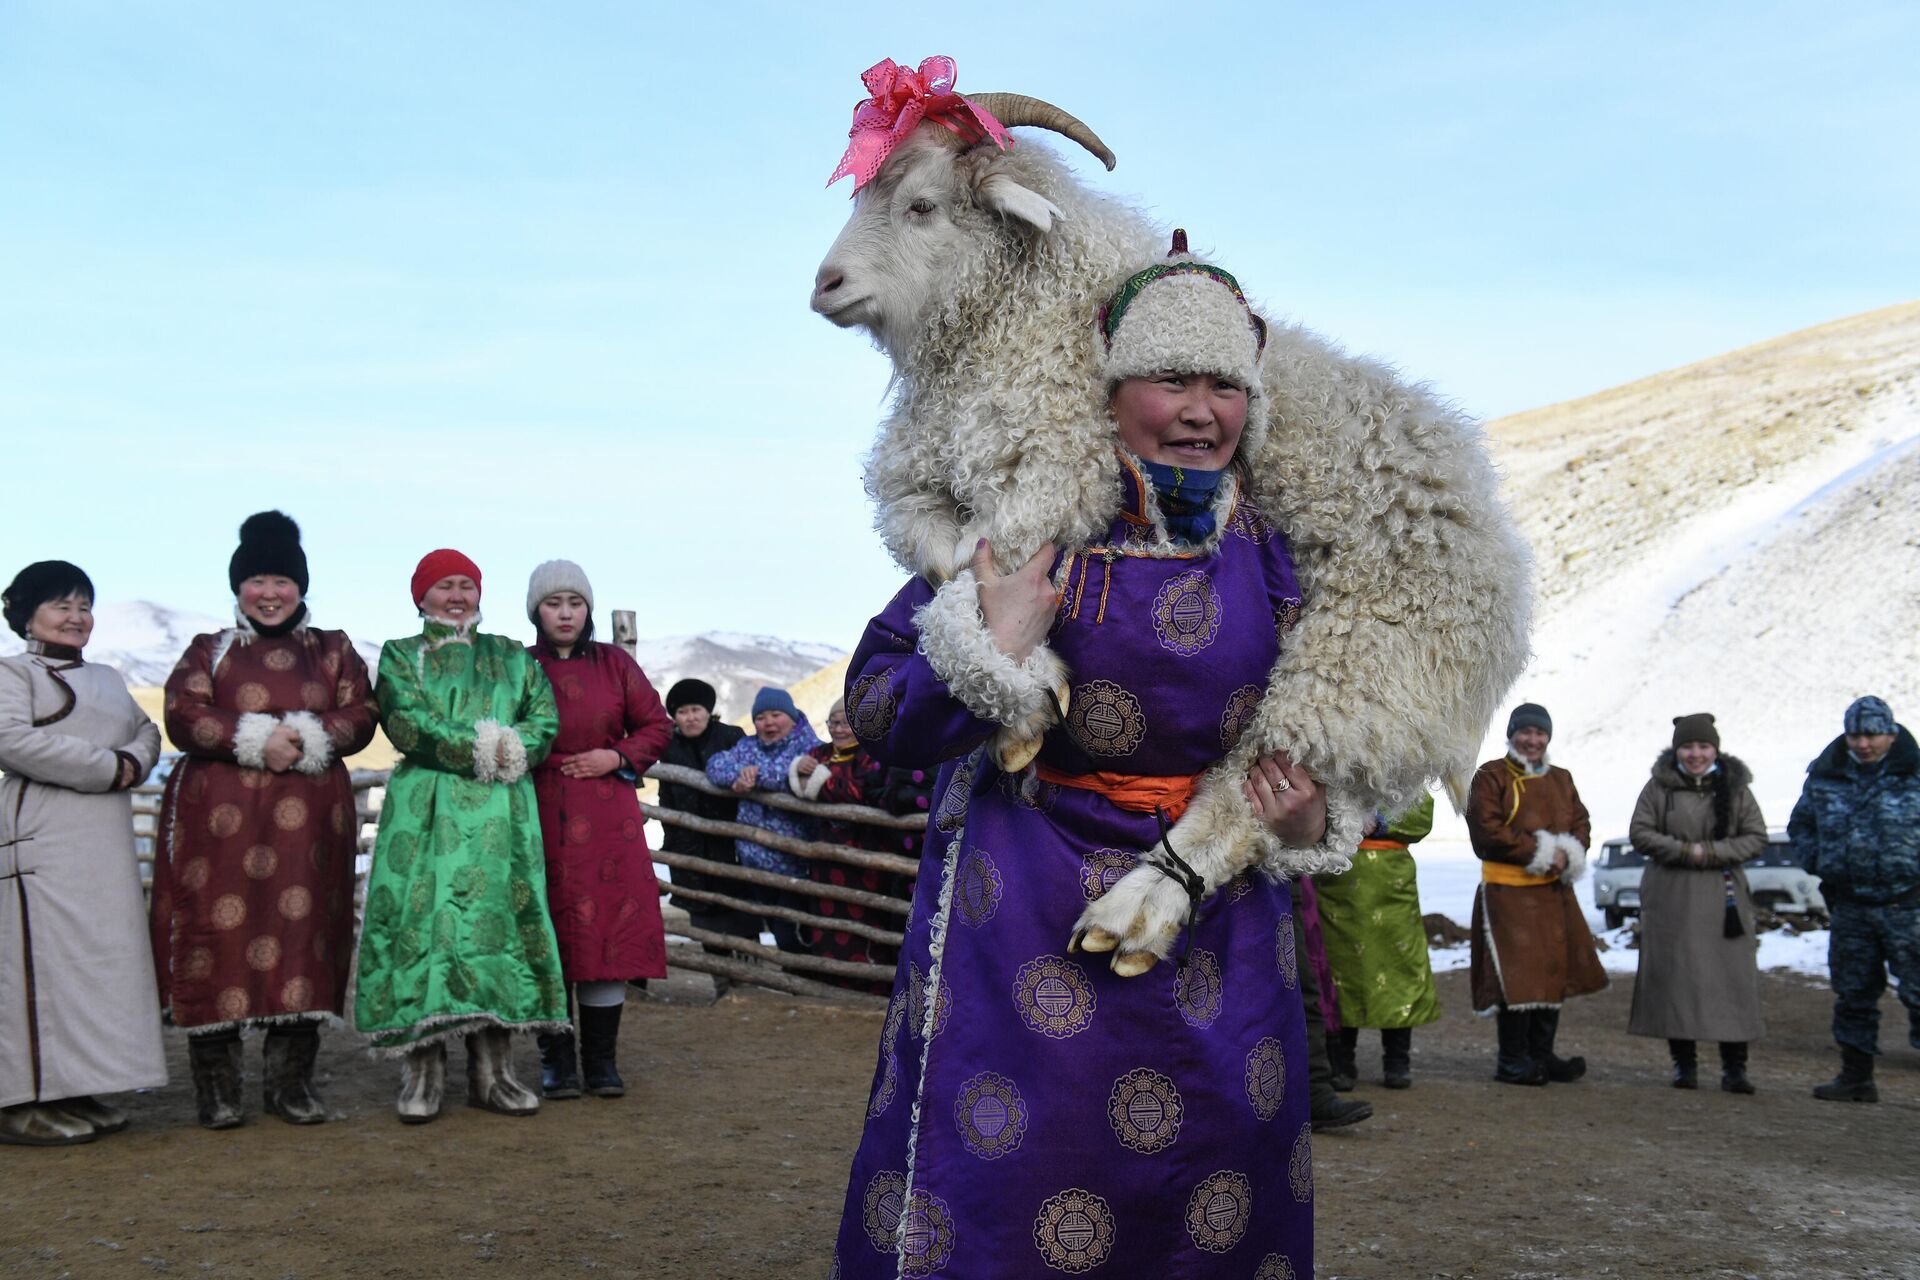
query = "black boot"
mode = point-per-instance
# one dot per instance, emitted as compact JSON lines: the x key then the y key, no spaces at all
{"x":1515,"y":1065}
{"x":559,"y":1065}
{"x":1686,"y":1064}
{"x":1543,"y":1026}
{"x":1855,"y":1081}
{"x":215,"y":1062}
{"x":599,"y":1036}
{"x":1342,"y":1053}
{"x":1733,"y":1067}
{"x":286,"y":1077}
{"x":1396,"y":1057}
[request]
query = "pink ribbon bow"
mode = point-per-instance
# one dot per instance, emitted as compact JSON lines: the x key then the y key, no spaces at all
{"x":901,"y":100}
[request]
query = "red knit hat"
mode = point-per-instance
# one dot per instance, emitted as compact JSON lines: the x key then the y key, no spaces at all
{"x":436,"y":565}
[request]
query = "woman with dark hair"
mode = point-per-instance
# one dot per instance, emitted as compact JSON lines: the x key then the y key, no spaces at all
{"x":698,"y":737}
{"x":252,"y":918}
{"x":1696,"y":822}
{"x":600,"y":883}
{"x":76,"y":979}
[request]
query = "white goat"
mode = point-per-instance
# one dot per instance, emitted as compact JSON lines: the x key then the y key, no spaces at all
{"x":979,"y":271}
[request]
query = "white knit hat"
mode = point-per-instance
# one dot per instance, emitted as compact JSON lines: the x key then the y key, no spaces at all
{"x":555,"y":576}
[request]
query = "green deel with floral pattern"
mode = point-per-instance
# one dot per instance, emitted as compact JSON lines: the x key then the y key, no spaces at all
{"x":456,"y":934}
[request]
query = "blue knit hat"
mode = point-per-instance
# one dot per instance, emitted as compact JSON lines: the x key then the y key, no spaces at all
{"x":771,"y":699}
{"x":1869,"y":715}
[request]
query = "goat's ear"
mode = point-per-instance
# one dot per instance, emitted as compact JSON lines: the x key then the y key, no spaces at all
{"x":1009,"y":199}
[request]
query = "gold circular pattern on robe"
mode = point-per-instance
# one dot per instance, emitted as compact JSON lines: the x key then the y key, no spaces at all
{"x":1219,"y":1210}
{"x":1074,"y":1231}
{"x":916,"y":1001}
{"x":454,"y":754}
{"x":341,"y":816}
{"x":1300,"y":1165}
{"x":401,"y":733}
{"x":252,"y":696}
{"x":886,"y":1086}
{"x":200,"y":685}
{"x":952,"y":809}
{"x":882,"y":1207}
{"x":1106,"y":720}
{"x":1275,"y":1267}
{"x":290,"y":814}
{"x":1286,"y":956}
{"x":279,"y":659}
{"x":198,"y":965}
{"x":991,"y":1115}
{"x":233,"y":1003}
{"x":977,"y":888}
{"x":296,"y":902}
{"x":926,"y":1235}
{"x":254,"y":779}
{"x":1054,"y":997}
{"x":1145,"y":1110}
{"x":263,"y":953}
{"x":1267,"y":1077}
{"x":296,"y":995}
{"x":1238,"y":715}
{"x":1197,"y":990}
{"x":1102,"y":869}
{"x":315,"y":696}
{"x":260,"y":862}
{"x":195,"y":873}
{"x":872,"y":706}
{"x":224,"y":820}
{"x":1251,"y":523}
{"x":1186,"y":613}
{"x":229,"y":911}
{"x":1286,"y":618}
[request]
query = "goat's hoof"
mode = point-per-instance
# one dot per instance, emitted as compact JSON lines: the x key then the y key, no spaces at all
{"x":1063,"y":697}
{"x":1131,"y":964}
{"x":1013,"y":754}
{"x":1093,"y":938}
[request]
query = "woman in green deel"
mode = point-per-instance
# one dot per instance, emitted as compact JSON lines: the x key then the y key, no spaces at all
{"x":456,"y":939}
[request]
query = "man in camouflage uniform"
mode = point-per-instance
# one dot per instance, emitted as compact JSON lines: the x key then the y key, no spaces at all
{"x":1857,"y":827}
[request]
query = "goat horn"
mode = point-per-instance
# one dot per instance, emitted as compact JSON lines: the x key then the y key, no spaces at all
{"x":1013,"y":109}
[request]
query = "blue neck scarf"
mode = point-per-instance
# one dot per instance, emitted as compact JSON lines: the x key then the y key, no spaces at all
{"x":1186,"y":498}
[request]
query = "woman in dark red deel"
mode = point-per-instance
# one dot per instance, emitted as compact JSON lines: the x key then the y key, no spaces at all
{"x":600,"y":883}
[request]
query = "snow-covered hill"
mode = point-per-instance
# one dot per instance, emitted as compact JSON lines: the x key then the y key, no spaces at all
{"x":735,"y":665}
{"x":1740,"y":536}
{"x":139,"y":639}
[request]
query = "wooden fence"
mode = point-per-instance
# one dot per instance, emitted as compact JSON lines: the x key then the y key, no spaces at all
{"x":750,"y":961}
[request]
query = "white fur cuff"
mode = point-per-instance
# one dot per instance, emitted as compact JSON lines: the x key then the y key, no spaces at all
{"x":809,"y":787}
{"x":1347,"y":816}
{"x":1545,"y":845}
{"x":490,"y":740}
{"x":250,"y":739}
{"x":988,"y":682}
{"x":316,"y":748}
{"x":1576,"y":858}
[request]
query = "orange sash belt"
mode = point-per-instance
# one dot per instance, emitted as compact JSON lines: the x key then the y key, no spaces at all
{"x":1507,"y":873}
{"x":1133,"y":792}
{"x":1383,"y":844}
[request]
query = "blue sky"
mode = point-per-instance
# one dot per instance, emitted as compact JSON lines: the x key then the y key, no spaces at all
{"x":531,"y":280}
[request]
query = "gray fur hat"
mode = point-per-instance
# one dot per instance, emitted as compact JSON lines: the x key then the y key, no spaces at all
{"x":1869,"y":715}
{"x":554,"y":576}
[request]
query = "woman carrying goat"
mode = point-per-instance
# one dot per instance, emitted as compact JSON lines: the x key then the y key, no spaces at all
{"x":1033,"y":1104}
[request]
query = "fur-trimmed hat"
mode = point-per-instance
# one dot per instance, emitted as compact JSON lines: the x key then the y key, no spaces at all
{"x":1869,"y":715}
{"x":269,"y":544}
{"x":39,"y":582}
{"x":691,"y":692}
{"x":1181,"y":314}
{"x":552,"y":578}
{"x":1697,"y":727}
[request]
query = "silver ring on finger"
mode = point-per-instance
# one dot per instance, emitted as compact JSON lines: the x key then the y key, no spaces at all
{"x":1281,"y":784}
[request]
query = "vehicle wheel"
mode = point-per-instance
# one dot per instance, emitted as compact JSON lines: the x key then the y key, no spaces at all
{"x":1615,"y":917}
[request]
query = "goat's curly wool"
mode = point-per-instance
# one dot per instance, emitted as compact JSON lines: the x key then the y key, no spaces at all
{"x":1417,"y":594}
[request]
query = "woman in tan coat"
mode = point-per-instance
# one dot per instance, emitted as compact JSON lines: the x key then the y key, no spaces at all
{"x":1531,"y":946}
{"x":1696,"y":822}
{"x":77,"y":1016}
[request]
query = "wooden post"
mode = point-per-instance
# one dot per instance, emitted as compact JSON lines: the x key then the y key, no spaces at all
{"x":626,"y":633}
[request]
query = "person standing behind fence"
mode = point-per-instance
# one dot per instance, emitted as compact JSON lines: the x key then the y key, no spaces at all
{"x":1699,"y":978}
{"x":697,"y":738}
{"x":600,"y":882}
{"x":253,"y":870}
{"x":759,"y":762}
{"x":841,"y":771}
{"x":1857,"y":827}
{"x":1532,"y":949}
{"x":76,"y":978}
{"x":456,"y":940}
{"x":1377,"y":945}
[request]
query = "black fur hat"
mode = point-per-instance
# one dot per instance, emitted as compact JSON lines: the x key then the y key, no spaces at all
{"x":39,"y":582}
{"x":269,"y":543}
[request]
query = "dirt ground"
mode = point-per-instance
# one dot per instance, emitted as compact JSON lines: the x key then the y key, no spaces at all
{"x":729,"y":1155}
